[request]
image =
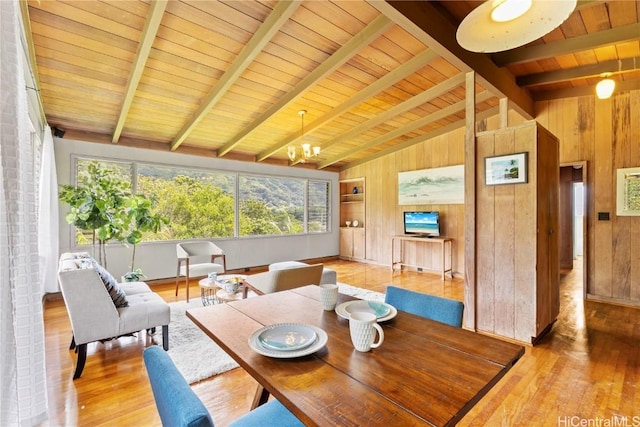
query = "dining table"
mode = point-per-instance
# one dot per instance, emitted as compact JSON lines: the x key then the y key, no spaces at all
{"x":424,"y":373}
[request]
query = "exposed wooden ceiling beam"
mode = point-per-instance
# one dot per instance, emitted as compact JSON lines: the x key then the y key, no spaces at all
{"x":568,"y":46}
{"x":428,"y":24}
{"x":614,"y":67}
{"x":156,"y":12}
{"x":339,"y":57}
{"x":438,"y":115}
{"x":278,"y":17}
{"x":403,"y":107}
{"x":440,"y":131}
{"x":385,"y":82}
{"x":584,"y":91}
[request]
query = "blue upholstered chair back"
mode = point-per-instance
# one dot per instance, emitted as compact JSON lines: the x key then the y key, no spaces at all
{"x":177,"y":404}
{"x":440,"y":309}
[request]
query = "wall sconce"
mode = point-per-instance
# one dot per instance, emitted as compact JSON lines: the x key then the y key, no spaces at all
{"x":605,"y":87}
{"x":307,"y":151}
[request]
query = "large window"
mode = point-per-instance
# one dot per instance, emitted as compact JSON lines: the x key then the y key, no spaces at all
{"x":203,"y":203}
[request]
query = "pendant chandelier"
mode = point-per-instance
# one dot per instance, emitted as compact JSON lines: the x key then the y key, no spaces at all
{"x":307,"y":151}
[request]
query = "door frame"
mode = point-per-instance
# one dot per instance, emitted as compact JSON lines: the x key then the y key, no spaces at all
{"x":585,"y":241}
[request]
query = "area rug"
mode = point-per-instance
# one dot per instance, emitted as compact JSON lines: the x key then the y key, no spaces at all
{"x":195,"y":354}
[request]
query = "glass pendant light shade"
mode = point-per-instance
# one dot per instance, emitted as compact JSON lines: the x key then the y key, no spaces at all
{"x":605,"y":88}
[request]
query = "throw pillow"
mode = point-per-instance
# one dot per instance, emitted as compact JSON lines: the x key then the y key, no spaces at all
{"x":117,"y":295}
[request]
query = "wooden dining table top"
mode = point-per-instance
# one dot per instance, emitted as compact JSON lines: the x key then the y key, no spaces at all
{"x":425,"y":372}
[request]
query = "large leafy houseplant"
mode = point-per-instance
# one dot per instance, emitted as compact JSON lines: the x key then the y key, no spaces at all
{"x":102,"y":204}
{"x":141,"y":220}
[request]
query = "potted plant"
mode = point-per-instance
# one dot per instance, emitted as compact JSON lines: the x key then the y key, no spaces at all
{"x":102,"y":203}
{"x":96,"y":205}
{"x":140,"y":220}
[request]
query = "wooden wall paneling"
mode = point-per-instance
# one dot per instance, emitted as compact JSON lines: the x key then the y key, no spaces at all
{"x":587,"y":113}
{"x":471,"y":176}
{"x":504,"y":243}
{"x":634,"y":236}
{"x":571,"y":150}
{"x":485,"y":239}
{"x":621,"y":250}
{"x":524,"y":262}
{"x":603,"y":201}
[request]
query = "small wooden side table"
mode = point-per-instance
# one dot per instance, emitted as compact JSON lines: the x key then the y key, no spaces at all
{"x":208,"y":289}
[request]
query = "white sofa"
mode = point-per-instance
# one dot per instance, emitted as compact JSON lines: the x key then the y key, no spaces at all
{"x":92,"y":305}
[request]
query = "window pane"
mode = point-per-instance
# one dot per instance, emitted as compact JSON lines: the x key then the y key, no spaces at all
{"x":318,"y":207}
{"x":271,"y":206}
{"x":199,"y":204}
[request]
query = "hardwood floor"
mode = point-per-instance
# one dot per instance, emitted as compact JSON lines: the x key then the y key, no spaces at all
{"x":587,"y":367}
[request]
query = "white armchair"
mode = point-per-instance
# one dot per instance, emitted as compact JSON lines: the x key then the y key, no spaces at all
{"x":282,"y":280}
{"x":197,"y":259}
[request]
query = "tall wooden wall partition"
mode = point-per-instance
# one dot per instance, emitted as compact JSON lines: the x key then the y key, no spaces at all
{"x":604,"y":133}
{"x":517,"y":283}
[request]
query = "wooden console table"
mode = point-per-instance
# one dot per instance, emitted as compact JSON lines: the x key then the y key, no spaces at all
{"x":442,"y":241}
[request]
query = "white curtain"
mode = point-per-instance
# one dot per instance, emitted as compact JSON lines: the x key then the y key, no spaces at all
{"x":23,"y":388}
{"x":48,"y":216}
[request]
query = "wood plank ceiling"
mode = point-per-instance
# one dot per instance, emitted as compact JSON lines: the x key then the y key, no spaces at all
{"x":227,"y":79}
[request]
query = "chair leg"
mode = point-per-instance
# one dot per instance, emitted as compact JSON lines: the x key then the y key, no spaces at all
{"x":72,"y":346}
{"x":187,"y":284}
{"x":82,"y":358}
{"x":165,"y":337}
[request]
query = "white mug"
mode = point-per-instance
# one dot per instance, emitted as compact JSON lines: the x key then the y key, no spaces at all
{"x":329,"y":296}
{"x":363,"y":327}
{"x":213,"y":276}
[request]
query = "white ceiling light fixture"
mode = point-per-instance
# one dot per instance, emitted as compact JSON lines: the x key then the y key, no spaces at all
{"x":499,"y":25}
{"x":605,"y":87}
{"x":307,"y":151}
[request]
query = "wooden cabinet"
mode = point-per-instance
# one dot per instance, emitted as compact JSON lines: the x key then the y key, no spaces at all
{"x":517,"y":280}
{"x":352,"y":212}
{"x":352,"y":243}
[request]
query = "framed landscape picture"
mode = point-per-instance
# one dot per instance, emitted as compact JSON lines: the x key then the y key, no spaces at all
{"x":432,"y":186}
{"x":506,"y":169}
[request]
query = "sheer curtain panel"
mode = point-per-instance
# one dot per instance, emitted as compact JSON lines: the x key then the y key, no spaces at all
{"x":23,"y":388}
{"x":48,"y":216}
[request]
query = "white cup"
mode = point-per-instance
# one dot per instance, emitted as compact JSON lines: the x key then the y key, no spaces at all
{"x":363,"y":327}
{"x":213,"y":276}
{"x":329,"y":296}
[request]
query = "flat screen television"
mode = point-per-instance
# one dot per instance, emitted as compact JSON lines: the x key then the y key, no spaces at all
{"x":423,"y":223}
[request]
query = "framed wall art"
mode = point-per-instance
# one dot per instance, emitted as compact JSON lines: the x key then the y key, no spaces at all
{"x":628,"y":192}
{"x":506,"y":169}
{"x":437,"y":186}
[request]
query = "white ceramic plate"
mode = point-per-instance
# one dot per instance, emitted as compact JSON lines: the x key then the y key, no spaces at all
{"x":382,"y":310}
{"x":288,"y":337}
{"x":317,"y":344}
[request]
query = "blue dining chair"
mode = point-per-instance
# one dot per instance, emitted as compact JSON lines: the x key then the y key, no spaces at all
{"x":179,"y":406}
{"x":432,"y":307}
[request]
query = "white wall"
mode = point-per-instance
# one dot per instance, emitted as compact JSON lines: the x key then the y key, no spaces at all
{"x":158,"y":259}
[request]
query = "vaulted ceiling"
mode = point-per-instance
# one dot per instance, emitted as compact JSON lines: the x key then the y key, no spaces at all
{"x":227,"y":78}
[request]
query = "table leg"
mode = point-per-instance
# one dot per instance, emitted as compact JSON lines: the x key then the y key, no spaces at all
{"x":260,"y":397}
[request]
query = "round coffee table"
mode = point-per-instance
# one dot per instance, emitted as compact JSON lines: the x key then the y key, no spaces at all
{"x":208,"y":289}
{"x":213,"y":292}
